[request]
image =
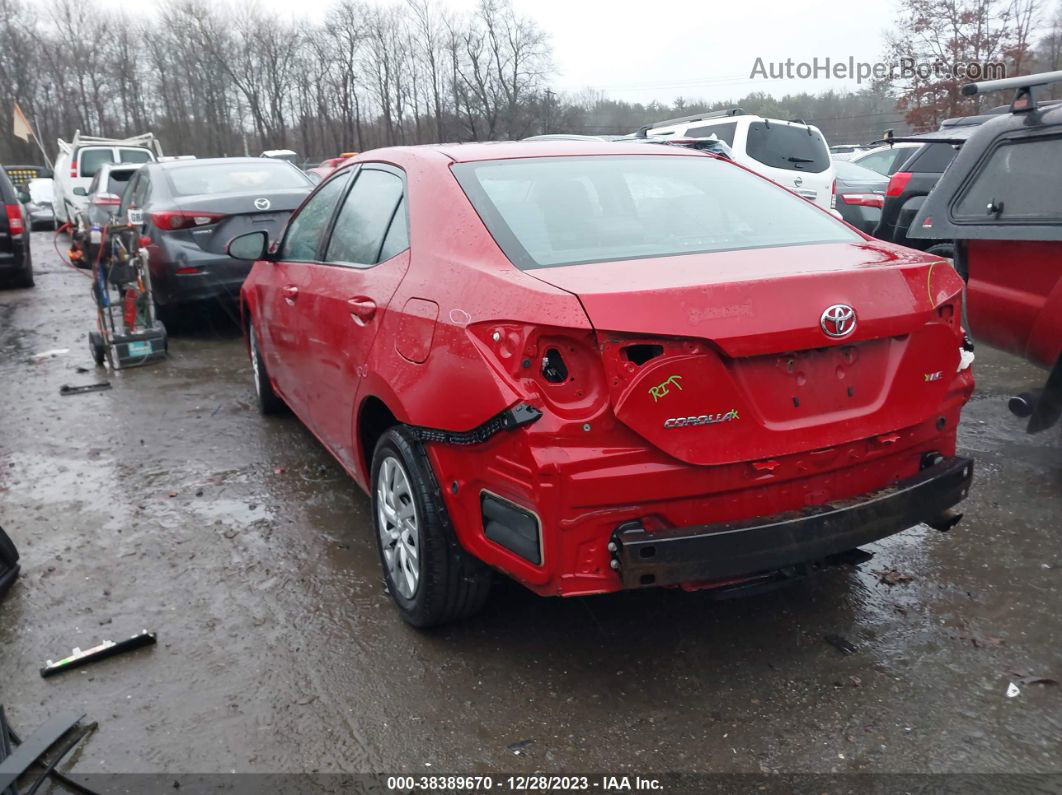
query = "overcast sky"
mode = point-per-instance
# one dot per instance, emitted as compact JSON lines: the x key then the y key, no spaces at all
{"x":645,"y":50}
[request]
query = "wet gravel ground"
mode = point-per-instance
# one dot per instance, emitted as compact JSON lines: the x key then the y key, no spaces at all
{"x":167,"y":503}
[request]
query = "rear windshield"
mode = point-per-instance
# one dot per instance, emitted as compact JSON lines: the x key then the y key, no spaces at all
{"x":135,"y":156}
{"x":235,"y":177}
{"x":118,"y":179}
{"x":92,"y":159}
{"x":567,"y":210}
{"x":793,"y":148}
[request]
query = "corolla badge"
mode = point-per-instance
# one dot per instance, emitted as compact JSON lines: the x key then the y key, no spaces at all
{"x":262,"y":204}
{"x":838,"y":320}
{"x":702,"y":419}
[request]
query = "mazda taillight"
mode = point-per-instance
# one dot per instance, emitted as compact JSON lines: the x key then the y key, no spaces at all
{"x":863,"y":199}
{"x":14,"y":220}
{"x":172,"y":221}
{"x":898,"y":184}
{"x":106,"y":200}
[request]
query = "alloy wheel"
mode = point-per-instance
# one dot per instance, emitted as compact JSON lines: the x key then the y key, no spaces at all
{"x":396,"y":519}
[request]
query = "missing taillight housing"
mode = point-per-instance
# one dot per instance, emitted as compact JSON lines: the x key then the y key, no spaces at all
{"x":642,"y":353}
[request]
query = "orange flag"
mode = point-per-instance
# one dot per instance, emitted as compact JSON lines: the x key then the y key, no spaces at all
{"x":22,"y":126}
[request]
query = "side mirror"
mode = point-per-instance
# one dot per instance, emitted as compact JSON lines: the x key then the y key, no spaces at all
{"x":79,"y":191}
{"x":252,"y":246}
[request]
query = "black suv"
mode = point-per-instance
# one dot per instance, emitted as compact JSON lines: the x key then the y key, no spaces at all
{"x":908,"y":187}
{"x":15,"y":262}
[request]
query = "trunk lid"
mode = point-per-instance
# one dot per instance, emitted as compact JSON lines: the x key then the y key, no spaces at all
{"x":721,"y":358}
{"x":243,"y":212}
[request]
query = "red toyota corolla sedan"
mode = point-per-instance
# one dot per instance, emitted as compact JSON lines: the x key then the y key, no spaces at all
{"x":597,"y":366}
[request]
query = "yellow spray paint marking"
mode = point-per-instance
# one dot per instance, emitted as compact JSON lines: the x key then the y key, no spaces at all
{"x":661,"y":390}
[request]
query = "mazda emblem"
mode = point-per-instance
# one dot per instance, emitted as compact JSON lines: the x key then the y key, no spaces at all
{"x":838,"y":320}
{"x":262,"y":204}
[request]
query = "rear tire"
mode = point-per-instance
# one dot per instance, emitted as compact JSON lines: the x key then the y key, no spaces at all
{"x":268,"y":400}
{"x":97,"y":347}
{"x":413,"y":529}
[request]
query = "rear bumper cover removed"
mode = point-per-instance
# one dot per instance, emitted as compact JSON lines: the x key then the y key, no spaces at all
{"x":674,"y":556}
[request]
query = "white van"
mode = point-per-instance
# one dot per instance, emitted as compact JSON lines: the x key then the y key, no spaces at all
{"x":791,"y":153}
{"x":80,"y":159}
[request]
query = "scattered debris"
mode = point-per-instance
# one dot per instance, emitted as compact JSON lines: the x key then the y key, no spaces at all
{"x":1026,"y":678}
{"x":38,"y":357}
{"x":1013,"y":690}
{"x":518,"y":748}
{"x":17,"y":757}
{"x":893,"y":577}
{"x":9,"y":565}
{"x":279,"y":471}
{"x":842,"y":645}
{"x":107,"y":648}
{"x":66,"y":389}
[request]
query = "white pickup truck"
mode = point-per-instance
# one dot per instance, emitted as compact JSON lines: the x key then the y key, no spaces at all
{"x":80,"y":159}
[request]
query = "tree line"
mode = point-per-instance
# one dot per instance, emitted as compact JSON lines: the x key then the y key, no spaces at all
{"x":227,"y":80}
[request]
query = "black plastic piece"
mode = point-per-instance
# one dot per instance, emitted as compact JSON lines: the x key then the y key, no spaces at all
{"x":9,"y":565}
{"x":513,"y":527}
{"x":66,"y":389}
{"x":26,"y":754}
{"x":101,"y":652}
{"x":508,"y":420}
{"x":735,"y":549}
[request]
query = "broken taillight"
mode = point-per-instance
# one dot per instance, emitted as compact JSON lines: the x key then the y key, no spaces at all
{"x":172,"y":221}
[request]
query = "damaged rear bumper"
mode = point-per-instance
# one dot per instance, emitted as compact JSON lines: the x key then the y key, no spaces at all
{"x":674,"y":556}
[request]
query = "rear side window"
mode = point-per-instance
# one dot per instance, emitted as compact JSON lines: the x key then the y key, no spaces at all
{"x":92,"y":159}
{"x":134,"y":156}
{"x":304,"y":233}
{"x":791,"y":148}
{"x":724,"y":132}
{"x":887,"y":161}
{"x":1022,"y":180}
{"x":364,"y":219}
{"x":553,"y":211}
{"x":933,"y":159}
{"x":397,"y":239}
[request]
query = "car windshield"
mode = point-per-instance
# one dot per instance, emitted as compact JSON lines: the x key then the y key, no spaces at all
{"x":566,"y":210}
{"x":241,"y":177}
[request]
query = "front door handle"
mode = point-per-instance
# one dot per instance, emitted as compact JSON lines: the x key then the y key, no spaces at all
{"x":290,"y":293}
{"x":361,"y":309}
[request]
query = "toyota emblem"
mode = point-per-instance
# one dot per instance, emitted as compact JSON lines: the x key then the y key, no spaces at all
{"x":262,"y":204}
{"x":838,"y":321}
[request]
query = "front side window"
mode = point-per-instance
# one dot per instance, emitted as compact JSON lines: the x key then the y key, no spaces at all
{"x":303,"y":237}
{"x":787,"y":147}
{"x":1021,"y":182}
{"x":363,"y":221}
{"x":567,"y":210}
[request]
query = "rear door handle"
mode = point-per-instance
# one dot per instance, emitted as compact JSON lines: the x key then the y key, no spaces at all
{"x":290,"y":293}
{"x":361,"y":309}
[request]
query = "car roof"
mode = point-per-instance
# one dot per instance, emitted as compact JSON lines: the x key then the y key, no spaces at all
{"x":505,"y":150}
